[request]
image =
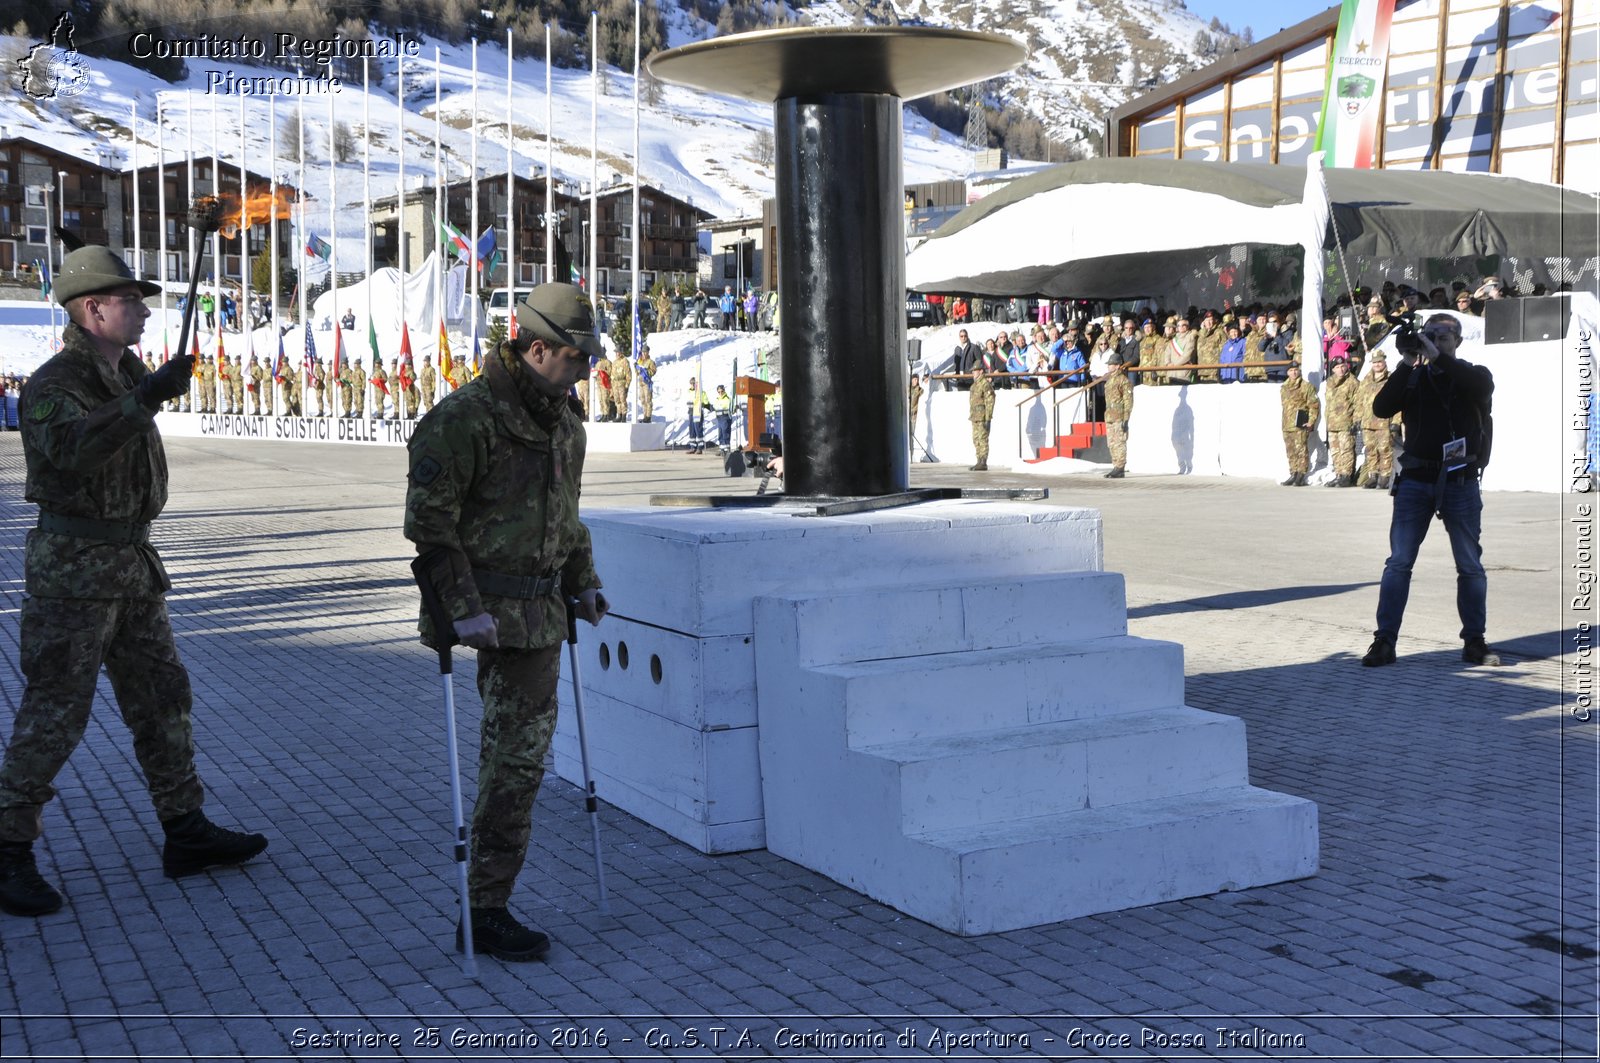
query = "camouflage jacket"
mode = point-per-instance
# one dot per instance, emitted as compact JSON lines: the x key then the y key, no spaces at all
{"x":1340,"y":399}
{"x":980,"y":401}
{"x":92,"y":450}
{"x":1370,"y":386}
{"x":496,"y":470}
{"x":1299,"y":395}
{"x":1119,"y":397}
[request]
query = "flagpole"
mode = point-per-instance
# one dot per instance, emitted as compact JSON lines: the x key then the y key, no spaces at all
{"x":242,"y":307}
{"x":305,"y":236}
{"x":594,"y":177}
{"x":400,"y":225}
{"x":549,"y":165}
{"x":445,"y":383}
{"x":511,"y":201}
{"x":472,"y":233}
{"x":638,"y":240}
{"x":216,"y":234}
{"x":188,"y":111}
{"x":138,"y":234}
{"x":271,"y":403}
{"x":328,"y":383}
{"x":161,"y":224}
{"x":366,"y":197}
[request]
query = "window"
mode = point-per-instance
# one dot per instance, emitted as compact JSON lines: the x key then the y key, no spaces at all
{"x":35,"y":196}
{"x":36,"y":234}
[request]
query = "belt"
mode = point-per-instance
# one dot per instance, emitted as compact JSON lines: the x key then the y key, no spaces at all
{"x":125,"y":533}
{"x":505,"y":586}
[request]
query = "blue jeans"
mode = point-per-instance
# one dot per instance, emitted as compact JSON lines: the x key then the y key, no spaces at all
{"x":1463,"y":519}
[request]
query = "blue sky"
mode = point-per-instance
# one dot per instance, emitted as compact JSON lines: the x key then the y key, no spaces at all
{"x":1264,"y":18}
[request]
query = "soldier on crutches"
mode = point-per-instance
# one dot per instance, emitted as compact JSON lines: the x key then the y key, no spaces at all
{"x":492,"y":504}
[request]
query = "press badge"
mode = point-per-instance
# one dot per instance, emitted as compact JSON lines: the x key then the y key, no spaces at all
{"x":1455,"y":455}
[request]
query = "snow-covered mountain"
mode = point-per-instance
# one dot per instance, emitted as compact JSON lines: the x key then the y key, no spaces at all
{"x":1087,"y":56}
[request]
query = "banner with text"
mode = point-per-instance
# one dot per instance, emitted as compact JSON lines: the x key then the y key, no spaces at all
{"x":1353,"y":99}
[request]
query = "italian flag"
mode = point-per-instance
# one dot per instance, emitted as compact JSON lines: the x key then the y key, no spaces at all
{"x":1353,"y":100}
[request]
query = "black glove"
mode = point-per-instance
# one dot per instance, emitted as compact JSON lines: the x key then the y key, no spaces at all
{"x":169,"y":382}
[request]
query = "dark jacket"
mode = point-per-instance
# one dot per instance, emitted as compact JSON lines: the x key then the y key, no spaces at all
{"x":1437,"y":404}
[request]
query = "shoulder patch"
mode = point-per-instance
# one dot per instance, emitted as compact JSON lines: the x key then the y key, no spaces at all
{"x":426,"y":471}
{"x":41,"y":410}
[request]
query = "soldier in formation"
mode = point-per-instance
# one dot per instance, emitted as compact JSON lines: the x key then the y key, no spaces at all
{"x":1301,"y":411}
{"x":621,"y":377}
{"x":647,"y":386}
{"x":428,"y":382}
{"x":380,"y":388}
{"x":1377,"y":433}
{"x":1340,"y":401}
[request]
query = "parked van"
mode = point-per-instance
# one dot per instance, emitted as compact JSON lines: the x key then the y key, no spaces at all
{"x":499,"y":304}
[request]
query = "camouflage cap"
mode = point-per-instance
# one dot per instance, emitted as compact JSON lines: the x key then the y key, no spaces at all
{"x":560,"y":313}
{"x":95,"y":269}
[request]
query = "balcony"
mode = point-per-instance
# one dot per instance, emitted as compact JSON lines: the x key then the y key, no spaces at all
{"x":10,"y":193}
{"x":85,"y":197}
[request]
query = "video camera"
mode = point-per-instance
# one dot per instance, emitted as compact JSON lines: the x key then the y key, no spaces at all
{"x":1407,"y":340}
{"x":760,"y":461}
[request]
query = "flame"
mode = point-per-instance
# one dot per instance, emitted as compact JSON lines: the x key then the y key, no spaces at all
{"x":260,"y":206}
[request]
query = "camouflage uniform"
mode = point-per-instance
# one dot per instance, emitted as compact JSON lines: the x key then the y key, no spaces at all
{"x":208,"y":385}
{"x":1119,"y":409}
{"x":1209,"y":349}
{"x":380,"y":388}
{"x":1296,"y":395}
{"x":494,"y":485}
{"x":1339,"y":399}
{"x":358,"y":390}
{"x":98,"y":472}
{"x":980,"y":406}
{"x":914,"y":400}
{"x":347,"y":391}
{"x":603,"y":390}
{"x":1377,"y":441}
{"x":259,"y":383}
{"x":236,"y":379}
{"x":319,"y":384}
{"x":647,"y":386}
{"x":621,"y":377}
{"x":428,"y":382}
{"x":1152,"y":353}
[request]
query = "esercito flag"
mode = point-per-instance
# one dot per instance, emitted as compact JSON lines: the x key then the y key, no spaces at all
{"x":1353,"y":97}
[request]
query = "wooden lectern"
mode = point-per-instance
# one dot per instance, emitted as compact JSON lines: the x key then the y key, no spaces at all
{"x":755,"y":390}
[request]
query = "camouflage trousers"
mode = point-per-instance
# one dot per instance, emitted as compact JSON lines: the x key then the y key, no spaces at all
{"x":619,"y":401}
{"x":1209,"y":376}
{"x":518,"y":688}
{"x":1294,"y":446}
{"x":1342,"y":451}
{"x":1117,"y":440}
{"x":646,"y":402}
{"x":413,"y":399}
{"x":980,"y":440}
{"x":64,"y":643}
{"x":1377,"y":454}
{"x":427,"y":399}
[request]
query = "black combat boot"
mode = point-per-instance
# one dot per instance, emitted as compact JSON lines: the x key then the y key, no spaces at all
{"x":496,"y":932}
{"x":1116,"y":473}
{"x":195,"y":844}
{"x":982,"y":466}
{"x":23,"y":891}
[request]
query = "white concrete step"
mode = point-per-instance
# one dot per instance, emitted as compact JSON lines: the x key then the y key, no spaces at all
{"x":1021,"y":773}
{"x":975,"y":690}
{"x":980,"y":880}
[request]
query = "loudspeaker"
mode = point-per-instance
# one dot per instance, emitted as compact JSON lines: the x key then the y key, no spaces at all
{"x":913,"y":349}
{"x":1526,"y":320}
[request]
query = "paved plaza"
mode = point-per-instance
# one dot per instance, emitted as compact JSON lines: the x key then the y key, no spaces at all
{"x":1454,"y":915}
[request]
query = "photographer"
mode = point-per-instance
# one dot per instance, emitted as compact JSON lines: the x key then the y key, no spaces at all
{"x":1444,"y":403}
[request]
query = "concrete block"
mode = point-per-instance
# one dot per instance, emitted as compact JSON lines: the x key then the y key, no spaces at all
{"x":954,"y":693}
{"x":697,"y":571}
{"x":700,"y":683}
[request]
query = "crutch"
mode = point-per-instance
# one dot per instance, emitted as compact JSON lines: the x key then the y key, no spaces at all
{"x":444,"y":634}
{"x":590,"y":801}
